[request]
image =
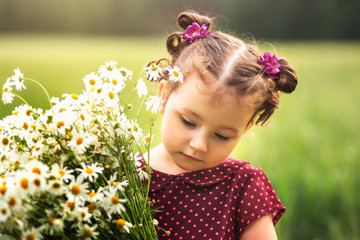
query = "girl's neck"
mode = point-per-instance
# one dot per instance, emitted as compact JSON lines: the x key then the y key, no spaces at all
{"x":161,"y":161}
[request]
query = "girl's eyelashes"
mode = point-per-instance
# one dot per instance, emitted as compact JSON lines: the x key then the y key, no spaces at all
{"x":191,"y":124}
{"x":222,"y":137}
{"x":187,"y":122}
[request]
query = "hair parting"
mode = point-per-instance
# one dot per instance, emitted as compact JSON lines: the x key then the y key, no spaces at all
{"x":231,"y":64}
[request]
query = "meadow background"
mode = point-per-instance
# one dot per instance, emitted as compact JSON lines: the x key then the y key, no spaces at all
{"x":310,"y":151}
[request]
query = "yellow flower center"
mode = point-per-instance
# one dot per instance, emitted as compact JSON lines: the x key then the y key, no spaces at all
{"x":31,"y":236}
{"x":99,"y":90}
{"x":24,"y":183}
{"x":28,"y":112}
{"x":111,"y":95}
{"x":74,"y":96}
{"x":114,"y":81}
{"x":5,"y":141}
{"x":91,"y":207}
{"x":56,"y":185}
{"x":51,"y":220}
{"x":120,"y":223}
{"x":89,"y":171}
{"x":92,"y":194}
{"x":15,"y":113}
{"x":62,"y":173}
{"x":75,"y":190}
{"x":71,"y":205}
{"x":92,"y":82}
{"x":82,"y":117}
{"x":60,"y":124}
{"x":147,"y":139}
{"x":88,"y":233}
{"x":3,"y":211}
{"x":62,"y":109}
{"x":3,"y":189}
{"x":36,"y":170}
{"x":12,"y":201}
{"x":114,"y":200}
{"x":37,"y":182}
{"x":79,"y":141}
{"x":175,"y":73}
{"x":25,"y":125}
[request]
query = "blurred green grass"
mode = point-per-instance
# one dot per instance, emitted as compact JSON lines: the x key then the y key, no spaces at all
{"x":310,"y":150}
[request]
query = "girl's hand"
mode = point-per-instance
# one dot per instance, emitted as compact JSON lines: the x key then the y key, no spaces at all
{"x":260,"y":229}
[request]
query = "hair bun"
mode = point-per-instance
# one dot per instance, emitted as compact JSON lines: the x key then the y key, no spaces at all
{"x":188,"y":17}
{"x":288,"y":79}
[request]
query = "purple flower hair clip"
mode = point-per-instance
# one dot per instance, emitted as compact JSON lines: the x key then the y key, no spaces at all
{"x":194,"y":31}
{"x":271,"y":65}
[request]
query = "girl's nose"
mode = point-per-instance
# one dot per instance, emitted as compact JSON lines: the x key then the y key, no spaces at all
{"x":198,"y":143}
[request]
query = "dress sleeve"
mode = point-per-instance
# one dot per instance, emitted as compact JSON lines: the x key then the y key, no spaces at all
{"x":257,"y":198}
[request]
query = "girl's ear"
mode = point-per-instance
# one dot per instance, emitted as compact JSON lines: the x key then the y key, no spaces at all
{"x":163,"y":91}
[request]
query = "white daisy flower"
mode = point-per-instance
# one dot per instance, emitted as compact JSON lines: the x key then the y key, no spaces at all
{"x":68,"y":208}
{"x":92,"y":81}
{"x":117,"y":81}
{"x":54,"y":224}
{"x":153,"y":103}
{"x":63,"y":120}
{"x":96,"y":196}
{"x":113,"y":203}
{"x":125,"y":73}
{"x":7,"y":96}
{"x":153,"y":72}
{"x":33,"y":234}
{"x":87,"y":232}
{"x":110,"y":97}
{"x":83,"y":214}
{"x":37,"y":167}
{"x":5,"y":211}
{"x":135,"y":129}
{"x":90,"y":172}
{"x":60,"y":172}
{"x":78,"y":189}
{"x":80,"y":141}
{"x":123,"y":226}
{"x":5,"y":142}
{"x":37,"y":183}
{"x":142,"y":174}
{"x":56,"y":187}
{"x":23,"y":183}
{"x":175,"y":74}
{"x":18,"y":79}
{"x":109,"y":70}
{"x":16,"y":205}
{"x":141,"y":88}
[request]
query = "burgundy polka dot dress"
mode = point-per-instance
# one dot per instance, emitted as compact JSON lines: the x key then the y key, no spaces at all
{"x":215,"y":203}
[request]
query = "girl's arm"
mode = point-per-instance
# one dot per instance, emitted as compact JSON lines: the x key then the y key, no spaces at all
{"x":260,"y":229}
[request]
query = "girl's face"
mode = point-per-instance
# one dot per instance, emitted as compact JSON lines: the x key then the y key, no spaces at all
{"x":199,"y":130}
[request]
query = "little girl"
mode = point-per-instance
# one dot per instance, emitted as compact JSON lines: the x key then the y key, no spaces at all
{"x":201,"y":192}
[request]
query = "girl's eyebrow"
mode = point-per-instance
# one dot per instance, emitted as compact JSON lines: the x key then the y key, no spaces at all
{"x":194,"y":114}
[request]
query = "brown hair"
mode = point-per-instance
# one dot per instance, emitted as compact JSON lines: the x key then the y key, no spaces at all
{"x":231,"y":64}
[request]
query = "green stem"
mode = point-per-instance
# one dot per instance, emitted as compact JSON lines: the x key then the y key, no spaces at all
{"x":18,"y":96}
{"x":47,"y":94}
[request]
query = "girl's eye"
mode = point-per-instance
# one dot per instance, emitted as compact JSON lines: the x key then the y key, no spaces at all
{"x":222,"y":137}
{"x":187,"y":123}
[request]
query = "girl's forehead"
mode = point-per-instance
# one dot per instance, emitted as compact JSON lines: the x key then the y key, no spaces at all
{"x":195,"y":99}
{"x":215,"y":93}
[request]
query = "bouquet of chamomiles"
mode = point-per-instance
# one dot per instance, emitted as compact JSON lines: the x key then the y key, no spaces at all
{"x":74,"y":171}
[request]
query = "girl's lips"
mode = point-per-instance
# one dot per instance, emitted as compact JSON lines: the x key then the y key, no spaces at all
{"x":190,"y":157}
